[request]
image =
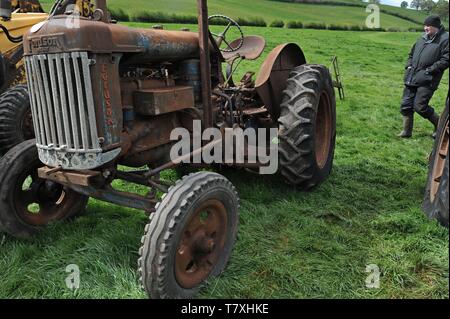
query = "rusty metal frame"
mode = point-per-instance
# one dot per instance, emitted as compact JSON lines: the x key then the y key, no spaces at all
{"x":205,"y":62}
{"x":101,"y":5}
{"x":93,"y":184}
{"x":337,"y":83}
{"x":110,"y":195}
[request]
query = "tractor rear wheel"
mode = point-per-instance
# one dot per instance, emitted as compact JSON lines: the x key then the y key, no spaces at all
{"x":16,"y":123}
{"x":436,"y":201}
{"x":307,"y":126}
{"x":27,"y":202}
{"x":190,"y":236}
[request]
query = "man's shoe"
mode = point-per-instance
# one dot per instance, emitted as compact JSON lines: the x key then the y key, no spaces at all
{"x":408,"y":124}
{"x":434,"y":119}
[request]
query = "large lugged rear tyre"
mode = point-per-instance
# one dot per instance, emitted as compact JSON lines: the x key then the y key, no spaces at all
{"x":28,"y":203}
{"x":190,"y":236}
{"x":16,"y":124}
{"x":307,"y":126}
{"x":436,"y":198}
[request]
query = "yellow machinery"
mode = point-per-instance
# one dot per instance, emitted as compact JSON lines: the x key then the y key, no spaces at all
{"x":19,"y":24}
{"x":15,"y":22}
{"x":16,"y":18}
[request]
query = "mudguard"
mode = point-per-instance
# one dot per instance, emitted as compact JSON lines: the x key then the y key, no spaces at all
{"x":274,"y":72}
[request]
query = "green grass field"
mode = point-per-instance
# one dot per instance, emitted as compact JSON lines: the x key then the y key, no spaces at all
{"x":271,"y":10}
{"x":290,"y":244}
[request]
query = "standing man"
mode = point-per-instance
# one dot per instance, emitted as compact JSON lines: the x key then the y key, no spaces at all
{"x":427,"y":61}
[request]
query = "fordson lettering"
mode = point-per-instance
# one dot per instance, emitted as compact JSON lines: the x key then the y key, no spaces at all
{"x":107,"y":95}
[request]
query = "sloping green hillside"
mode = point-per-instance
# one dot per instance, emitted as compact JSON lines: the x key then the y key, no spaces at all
{"x":268,"y":10}
{"x":409,"y":14}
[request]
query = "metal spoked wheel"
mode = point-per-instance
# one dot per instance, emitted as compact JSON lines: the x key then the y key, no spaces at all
{"x":190,"y":236}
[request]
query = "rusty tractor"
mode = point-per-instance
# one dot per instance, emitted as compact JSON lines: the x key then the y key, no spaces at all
{"x":436,"y":196}
{"x":105,"y":96}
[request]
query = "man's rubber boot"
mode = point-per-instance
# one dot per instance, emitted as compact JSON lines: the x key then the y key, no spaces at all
{"x":408,"y":124}
{"x":434,"y":119}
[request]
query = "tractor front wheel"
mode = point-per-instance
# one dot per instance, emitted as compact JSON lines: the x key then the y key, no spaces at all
{"x":307,"y":126}
{"x":190,"y":236}
{"x":27,"y":202}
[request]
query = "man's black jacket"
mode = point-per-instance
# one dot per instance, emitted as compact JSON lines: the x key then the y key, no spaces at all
{"x":428,"y":60}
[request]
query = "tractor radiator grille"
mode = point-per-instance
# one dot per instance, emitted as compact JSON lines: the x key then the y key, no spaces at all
{"x":63,"y":110}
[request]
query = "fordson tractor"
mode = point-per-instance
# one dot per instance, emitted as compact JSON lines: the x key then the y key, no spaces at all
{"x":105,"y":99}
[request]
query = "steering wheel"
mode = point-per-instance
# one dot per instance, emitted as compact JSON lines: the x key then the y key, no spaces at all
{"x":221,"y":37}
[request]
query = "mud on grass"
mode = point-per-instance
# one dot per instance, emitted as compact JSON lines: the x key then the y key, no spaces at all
{"x":290,"y":244}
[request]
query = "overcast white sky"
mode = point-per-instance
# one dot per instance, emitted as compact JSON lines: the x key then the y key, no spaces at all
{"x":393,"y":2}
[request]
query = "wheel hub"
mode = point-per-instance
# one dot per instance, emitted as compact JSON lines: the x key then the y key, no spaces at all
{"x":38,"y":201}
{"x":49,"y":191}
{"x":201,"y":244}
{"x":323,"y":130}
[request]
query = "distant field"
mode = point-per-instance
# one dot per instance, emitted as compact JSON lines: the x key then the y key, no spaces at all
{"x":269,"y":11}
{"x":417,"y":15}
{"x":290,"y":244}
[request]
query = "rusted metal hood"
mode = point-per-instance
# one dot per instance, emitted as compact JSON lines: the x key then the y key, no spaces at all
{"x":67,"y":34}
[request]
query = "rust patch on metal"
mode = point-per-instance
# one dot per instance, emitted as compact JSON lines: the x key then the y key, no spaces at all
{"x":107,"y":95}
{"x":439,"y":162}
{"x":163,"y":100}
{"x":81,"y":178}
{"x":251,"y":49}
{"x":201,"y":245}
{"x":324,"y":130}
{"x":273,"y":74}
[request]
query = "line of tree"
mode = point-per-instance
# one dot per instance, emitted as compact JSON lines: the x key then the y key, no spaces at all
{"x":439,"y":7}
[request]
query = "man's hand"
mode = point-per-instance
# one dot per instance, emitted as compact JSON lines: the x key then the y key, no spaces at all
{"x":429,"y":70}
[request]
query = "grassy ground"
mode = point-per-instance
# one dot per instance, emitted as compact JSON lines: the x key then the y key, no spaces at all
{"x":269,"y":10}
{"x":290,"y":244}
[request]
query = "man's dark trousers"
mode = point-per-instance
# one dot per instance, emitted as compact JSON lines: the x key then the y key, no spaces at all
{"x":416,"y":99}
